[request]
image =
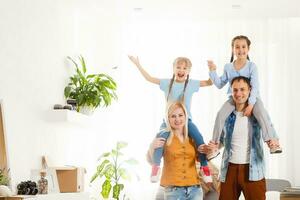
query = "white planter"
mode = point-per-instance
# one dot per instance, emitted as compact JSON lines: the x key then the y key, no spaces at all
{"x":86,"y":110}
{"x":5,"y":191}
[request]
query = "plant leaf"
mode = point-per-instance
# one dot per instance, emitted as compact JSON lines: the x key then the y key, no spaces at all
{"x":82,"y":64}
{"x":116,"y":190}
{"x":67,"y":91}
{"x":121,"y":145}
{"x":124,"y":174}
{"x":106,"y":187}
{"x":131,"y":161}
{"x":109,"y":171}
{"x":102,"y":165}
{"x":106,"y":154}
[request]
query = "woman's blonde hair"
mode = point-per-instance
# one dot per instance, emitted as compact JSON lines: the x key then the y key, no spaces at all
{"x":170,"y":108}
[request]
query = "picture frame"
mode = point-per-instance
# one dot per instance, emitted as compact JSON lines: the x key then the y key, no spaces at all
{"x":51,"y":176}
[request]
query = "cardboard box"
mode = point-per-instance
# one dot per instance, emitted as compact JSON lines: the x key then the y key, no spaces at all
{"x":70,"y":179}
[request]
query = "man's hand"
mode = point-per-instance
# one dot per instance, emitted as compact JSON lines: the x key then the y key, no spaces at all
{"x":248,"y":110}
{"x":208,"y":148}
{"x":203,"y":148}
{"x":211,"y":65}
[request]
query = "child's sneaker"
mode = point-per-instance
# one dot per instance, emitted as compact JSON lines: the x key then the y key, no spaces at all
{"x":276,"y":149}
{"x":205,"y":173}
{"x":155,"y":173}
{"x":212,"y":155}
{"x":275,"y":146}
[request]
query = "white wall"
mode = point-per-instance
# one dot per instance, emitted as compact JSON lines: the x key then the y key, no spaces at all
{"x":35,"y":38}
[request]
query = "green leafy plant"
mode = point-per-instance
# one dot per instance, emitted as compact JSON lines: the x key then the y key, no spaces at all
{"x":112,"y":170}
{"x":91,"y":90}
{"x":4,"y":180}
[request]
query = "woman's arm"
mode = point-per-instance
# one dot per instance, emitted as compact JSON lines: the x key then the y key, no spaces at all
{"x":156,"y":143}
{"x":145,"y":74}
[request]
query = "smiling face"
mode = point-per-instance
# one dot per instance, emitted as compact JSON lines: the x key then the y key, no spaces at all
{"x":240,"y":48}
{"x":181,"y":69}
{"x":177,"y":118}
{"x":240,"y":92}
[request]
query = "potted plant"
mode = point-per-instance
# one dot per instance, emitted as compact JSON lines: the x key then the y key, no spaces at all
{"x":4,"y":180}
{"x":89,"y":90}
{"x":112,"y":171}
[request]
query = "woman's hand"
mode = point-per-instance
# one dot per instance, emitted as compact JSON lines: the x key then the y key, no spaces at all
{"x":211,"y":65}
{"x":158,"y":142}
{"x":248,"y":110}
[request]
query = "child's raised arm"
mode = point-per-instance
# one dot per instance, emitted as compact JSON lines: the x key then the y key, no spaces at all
{"x":145,"y":74}
{"x":219,"y":82}
{"x":206,"y":83}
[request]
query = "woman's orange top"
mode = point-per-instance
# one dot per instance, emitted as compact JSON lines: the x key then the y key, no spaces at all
{"x":179,"y":164}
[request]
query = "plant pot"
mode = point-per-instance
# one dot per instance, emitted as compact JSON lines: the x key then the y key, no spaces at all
{"x":86,"y":110}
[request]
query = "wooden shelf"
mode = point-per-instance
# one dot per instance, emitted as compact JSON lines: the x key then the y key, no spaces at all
{"x":64,"y":115}
{"x":54,"y":196}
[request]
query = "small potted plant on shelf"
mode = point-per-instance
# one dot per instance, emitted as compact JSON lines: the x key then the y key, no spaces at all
{"x":113,"y":171}
{"x":89,"y":90}
{"x":4,"y":181}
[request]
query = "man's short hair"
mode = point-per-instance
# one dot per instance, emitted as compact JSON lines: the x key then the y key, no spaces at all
{"x":243,"y":78}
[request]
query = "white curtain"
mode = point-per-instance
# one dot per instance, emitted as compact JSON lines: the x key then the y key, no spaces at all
{"x":158,"y":42}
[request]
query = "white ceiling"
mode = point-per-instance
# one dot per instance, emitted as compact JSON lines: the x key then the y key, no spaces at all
{"x":215,"y":8}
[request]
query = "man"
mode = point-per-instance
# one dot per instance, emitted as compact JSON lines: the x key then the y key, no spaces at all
{"x":243,"y":167}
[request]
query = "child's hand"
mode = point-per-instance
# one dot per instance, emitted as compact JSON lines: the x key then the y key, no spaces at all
{"x":248,"y":110}
{"x":134,"y":60}
{"x":211,"y":65}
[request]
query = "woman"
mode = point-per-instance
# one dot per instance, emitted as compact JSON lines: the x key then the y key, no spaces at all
{"x":179,"y":176}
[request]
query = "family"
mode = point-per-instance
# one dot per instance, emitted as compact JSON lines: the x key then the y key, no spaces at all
{"x":241,"y":126}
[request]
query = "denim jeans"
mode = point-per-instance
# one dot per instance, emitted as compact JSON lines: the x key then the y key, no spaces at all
{"x":183,"y":193}
{"x":194,"y":133}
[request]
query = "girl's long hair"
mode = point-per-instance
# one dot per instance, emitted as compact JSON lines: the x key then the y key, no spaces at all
{"x":239,"y":37}
{"x":170,"y":108}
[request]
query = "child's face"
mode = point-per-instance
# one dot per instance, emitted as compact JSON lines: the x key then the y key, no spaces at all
{"x":181,"y":70}
{"x":240,"y":48}
{"x":177,"y":119}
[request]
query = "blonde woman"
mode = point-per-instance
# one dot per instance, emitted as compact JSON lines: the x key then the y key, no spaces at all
{"x":179,"y":175}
